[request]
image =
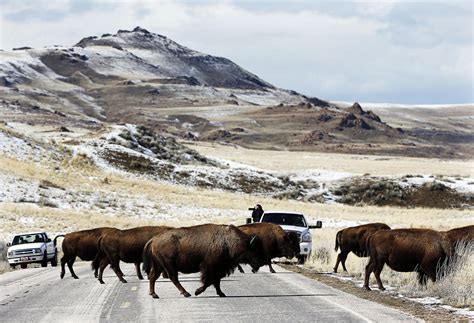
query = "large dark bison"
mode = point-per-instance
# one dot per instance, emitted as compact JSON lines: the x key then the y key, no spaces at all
{"x":275,"y":241}
{"x":82,"y":244}
{"x":407,"y":250}
{"x":214,"y":250}
{"x":354,"y":239}
{"x":125,"y":245}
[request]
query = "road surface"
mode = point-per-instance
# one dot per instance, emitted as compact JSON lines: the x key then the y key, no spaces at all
{"x":37,"y":294}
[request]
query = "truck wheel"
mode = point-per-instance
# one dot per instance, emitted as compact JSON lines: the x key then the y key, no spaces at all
{"x":44,"y":262}
{"x":23,"y":266}
{"x":54,"y":261}
{"x":302,"y":259}
{"x":12,"y":266}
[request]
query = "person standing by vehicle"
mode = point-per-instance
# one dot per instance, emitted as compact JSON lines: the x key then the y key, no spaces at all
{"x":257,"y":213}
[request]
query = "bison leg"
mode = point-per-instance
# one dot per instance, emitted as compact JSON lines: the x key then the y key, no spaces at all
{"x":271,"y":268}
{"x":115,"y":264}
{"x":377,"y":272}
{"x":368,"y":270}
{"x":153,"y":276}
{"x":201,"y":289}
{"x":70,"y":262}
{"x":422,"y":278}
{"x":63,"y":270}
{"x":173,"y":276}
{"x":103,"y":263}
{"x":139,"y":273}
{"x":240,"y":269}
{"x":217,"y":285}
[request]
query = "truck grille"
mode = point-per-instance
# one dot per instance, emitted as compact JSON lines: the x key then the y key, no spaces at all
{"x":23,"y":252}
{"x":297,"y":233}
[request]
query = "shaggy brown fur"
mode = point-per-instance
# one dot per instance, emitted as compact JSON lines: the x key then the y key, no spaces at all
{"x":407,"y":250}
{"x":82,"y":244}
{"x":276,"y":242}
{"x":354,"y":239}
{"x":214,"y":250}
{"x":461,"y":234}
{"x":125,"y":245}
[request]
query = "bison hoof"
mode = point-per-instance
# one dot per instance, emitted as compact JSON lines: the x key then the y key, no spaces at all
{"x":186,"y":294}
{"x":61,"y":275}
{"x":272,"y":271}
{"x":221,"y":294}
{"x":123,"y":281}
{"x":382,"y":288}
{"x":154,"y":295}
{"x":367,"y":288}
{"x":140,"y":278}
{"x":75,"y":277}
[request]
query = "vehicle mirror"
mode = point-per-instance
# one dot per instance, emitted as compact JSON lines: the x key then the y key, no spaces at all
{"x":248,"y":220}
{"x":49,"y":240}
{"x":319,"y":225}
{"x":8,"y":244}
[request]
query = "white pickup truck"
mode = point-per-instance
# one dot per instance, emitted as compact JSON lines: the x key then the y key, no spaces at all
{"x":30,"y":248}
{"x":294,"y":222}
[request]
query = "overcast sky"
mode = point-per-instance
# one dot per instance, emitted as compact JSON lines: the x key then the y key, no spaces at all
{"x":398,"y":52}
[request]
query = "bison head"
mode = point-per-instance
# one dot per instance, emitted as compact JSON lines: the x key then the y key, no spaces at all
{"x":291,"y":245}
{"x":255,"y":255}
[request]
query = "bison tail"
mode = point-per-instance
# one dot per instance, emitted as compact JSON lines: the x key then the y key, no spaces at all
{"x":96,"y":262}
{"x":55,"y":240}
{"x":146,"y":258}
{"x":367,"y":246}
{"x":338,"y":238}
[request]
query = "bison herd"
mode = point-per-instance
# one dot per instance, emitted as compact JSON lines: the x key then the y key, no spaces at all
{"x":217,"y":250}
{"x":423,"y":251}
{"x":213,"y":250}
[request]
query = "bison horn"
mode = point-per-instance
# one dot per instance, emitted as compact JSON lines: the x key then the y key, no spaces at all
{"x":252,"y":241}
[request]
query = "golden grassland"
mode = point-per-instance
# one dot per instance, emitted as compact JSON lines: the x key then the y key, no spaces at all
{"x":288,"y":161}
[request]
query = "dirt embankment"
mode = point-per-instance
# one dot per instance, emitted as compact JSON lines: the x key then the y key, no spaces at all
{"x":383,"y":192}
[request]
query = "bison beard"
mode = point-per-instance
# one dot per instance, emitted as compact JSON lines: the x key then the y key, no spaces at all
{"x":276,"y":242}
{"x":407,"y":250}
{"x":214,"y":250}
{"x":355,"y":239}
{"x":82,"y":244}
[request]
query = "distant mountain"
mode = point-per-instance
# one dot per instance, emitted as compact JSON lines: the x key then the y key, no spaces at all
{"x":114,"y":77}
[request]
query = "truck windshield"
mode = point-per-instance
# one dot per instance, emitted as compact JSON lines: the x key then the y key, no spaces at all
{"x":28,"y":238}
{"x":285,"y":219}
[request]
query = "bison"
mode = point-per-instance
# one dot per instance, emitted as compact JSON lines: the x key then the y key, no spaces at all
{"x":82,"y":244}
{"x":126,"y":245}
{"x":276,"y":242}
{"x":214,"y":250}
{"x":461,"y":234}
{"x":407,"y":250}
{"x":354,"y":239}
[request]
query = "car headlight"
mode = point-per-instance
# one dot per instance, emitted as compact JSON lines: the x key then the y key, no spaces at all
{"x":11,"y":253}
{"x":36,"y":250}
{"x":306,"y":237}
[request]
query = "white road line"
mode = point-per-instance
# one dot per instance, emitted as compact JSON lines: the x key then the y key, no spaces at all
{"x":134,"y":288}
{"x":125,"y":305}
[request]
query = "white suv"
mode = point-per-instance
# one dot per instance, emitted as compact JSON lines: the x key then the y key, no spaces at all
{"x":32,"y":248}
{"x":294,"y":222}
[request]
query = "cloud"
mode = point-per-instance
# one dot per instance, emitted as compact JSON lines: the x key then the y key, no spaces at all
{"x":366,"y":51}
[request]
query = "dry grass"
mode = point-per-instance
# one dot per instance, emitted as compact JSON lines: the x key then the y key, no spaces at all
{"x":358,"y":164}
{"x":455,"y":289}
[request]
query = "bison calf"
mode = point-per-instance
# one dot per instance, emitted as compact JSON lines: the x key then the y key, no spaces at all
{"x":407,"y":250}
{"x":125,"y":245}
{"x":465,"y":234}
{"x":354,"y":239}
{"x":275,"y":241}
{"x":82,"y":244}
{"x":214,"y":250}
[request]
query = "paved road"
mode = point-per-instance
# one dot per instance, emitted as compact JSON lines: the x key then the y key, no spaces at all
{"x":39,"y":295}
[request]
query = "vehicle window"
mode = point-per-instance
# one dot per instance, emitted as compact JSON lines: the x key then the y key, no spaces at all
{"x":28,"y":238}
{"x":284,"y":219}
